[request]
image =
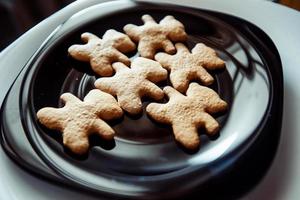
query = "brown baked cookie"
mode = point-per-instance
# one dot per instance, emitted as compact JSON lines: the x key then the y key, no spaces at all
{"x":77,"y":119}
{"x":153,"y":37}
{"x":101,"y":53}
{"x":187,"y":113}
{"x":130,"y":84}
{"x":186,"y":66}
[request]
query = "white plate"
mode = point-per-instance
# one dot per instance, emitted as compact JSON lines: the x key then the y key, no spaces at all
{"x":281,"y":182}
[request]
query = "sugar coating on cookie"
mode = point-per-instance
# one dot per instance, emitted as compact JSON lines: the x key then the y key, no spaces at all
{"x":78,"y":119}
{"x":101,"y":53}
{"x":130,"y":84}
{"x":152,"y":37}
{"x":187,"y":113}
{"x":185,"y":66}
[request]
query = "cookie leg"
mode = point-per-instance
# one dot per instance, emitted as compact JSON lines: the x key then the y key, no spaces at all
{"x":130,"y":103}
{"x":168,"y":46}
{"x":153,"y":91}
{"x":181,"y":48}
{"x":76,"y":139}
{"x":187,"y":135}
{"x":104,"y":84}
{"x":103,"y":129}
{"x":179,"y":80}
{"x":146,"y":50}
{"x":210,"y":124}
{"x":101,"y":66}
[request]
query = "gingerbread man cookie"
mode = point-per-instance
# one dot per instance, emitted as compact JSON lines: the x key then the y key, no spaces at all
{"x":187,"y":113}
{"x":77,"y":119}
{"x":130,"y":84}
{"x":153,"y":37}
{"x":186,"y":66}
{"x":101,"y":53}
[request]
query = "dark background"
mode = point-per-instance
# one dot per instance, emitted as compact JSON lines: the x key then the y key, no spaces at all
{"x":17,"y":16}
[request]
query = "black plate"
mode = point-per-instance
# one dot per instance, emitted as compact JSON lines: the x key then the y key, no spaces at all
{"x":144,"y":161}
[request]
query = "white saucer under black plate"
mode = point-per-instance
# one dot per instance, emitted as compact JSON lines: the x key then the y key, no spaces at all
{"x":144,"y":162}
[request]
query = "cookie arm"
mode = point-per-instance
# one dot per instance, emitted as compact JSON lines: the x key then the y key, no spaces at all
{"x":84,"y":52}
{"x":110,"y":111}
{"x":69,"y":98}
{"x":166,"y":20}
{"x":118,"y":67}
{"x":52,"y":118}
{"x":80,"y":52}
{"x":87,"y":37}
{"x":148,"y":19}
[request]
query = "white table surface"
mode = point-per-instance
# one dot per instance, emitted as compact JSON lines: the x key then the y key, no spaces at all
{"x":282,"y":182}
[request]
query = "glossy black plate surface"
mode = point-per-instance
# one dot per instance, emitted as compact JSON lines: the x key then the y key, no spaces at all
{"x":144,"y":161}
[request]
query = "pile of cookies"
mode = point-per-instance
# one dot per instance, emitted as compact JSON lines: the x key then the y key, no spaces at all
{"x":123,"y":83}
